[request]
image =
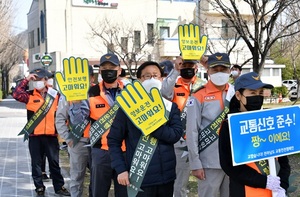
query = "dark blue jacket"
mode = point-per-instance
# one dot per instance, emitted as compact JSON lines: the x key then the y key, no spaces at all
{"x":161,"y":169}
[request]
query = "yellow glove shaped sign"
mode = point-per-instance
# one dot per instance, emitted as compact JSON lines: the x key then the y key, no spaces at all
{"x":146,"y":111}
{"x":75,"y":82}
{"x":190,"y":44}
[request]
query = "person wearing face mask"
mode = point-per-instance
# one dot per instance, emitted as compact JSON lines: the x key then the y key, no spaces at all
{"x":177,"y":87}
{"x":236,"y":71}
{"x":80,"y":158}
{"x":101,"y":98}
{"x":160,"y":174}
{"x":49,"y":83}
{"x":43,"y":139}
{"x":252,"y":179}
{"x":206,"y":108}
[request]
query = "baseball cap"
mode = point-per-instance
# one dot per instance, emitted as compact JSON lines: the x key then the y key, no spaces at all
{"x":110,"y":57}
{"x":42,"y":73}
{"x":250,"y":81}
{"x":167,"y":66}
{"x":218,"y":59}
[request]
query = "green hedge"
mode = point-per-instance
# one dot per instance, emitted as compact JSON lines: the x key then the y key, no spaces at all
{"x":277,"y":90}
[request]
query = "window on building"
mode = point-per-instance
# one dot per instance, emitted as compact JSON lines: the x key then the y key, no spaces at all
{"x":31,"y":39}
{"x":246,"y":70}
{"x":137,"y":39}
{"x":228,"y":30}
{"x":124,"y":44}
{"x":276,"y":72}
{"x":38,"y":37}
{"x":164,"y":32}
{"x":266,"y":72}
{"x":150,"y":33}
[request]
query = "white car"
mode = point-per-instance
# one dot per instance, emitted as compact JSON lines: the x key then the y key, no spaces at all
{"x":293,"y":94}
{"x":290,"y":84}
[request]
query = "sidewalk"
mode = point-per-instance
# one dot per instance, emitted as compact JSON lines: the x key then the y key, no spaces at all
{"x":15,"y":166}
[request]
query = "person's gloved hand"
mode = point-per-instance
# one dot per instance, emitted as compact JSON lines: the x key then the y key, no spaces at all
{"x":281,"y":192}
{"x":273,"y":183}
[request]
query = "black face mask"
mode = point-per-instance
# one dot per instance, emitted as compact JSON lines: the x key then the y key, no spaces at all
{"x":254,"y":102}
{"x":109,"y":76}
{"x":187,"y":73}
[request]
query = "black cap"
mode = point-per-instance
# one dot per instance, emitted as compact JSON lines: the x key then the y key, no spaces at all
{"x":250,"y":81}
{"x":42,"y":73}
{"x":167,"y":66}
{"x":110,"y":57}
{"x":218,"y":59}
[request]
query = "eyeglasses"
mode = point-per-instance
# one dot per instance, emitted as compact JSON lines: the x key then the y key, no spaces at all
{"x":149,"y":76}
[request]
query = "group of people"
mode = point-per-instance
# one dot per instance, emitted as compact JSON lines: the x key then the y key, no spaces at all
{"x":195,"y":139}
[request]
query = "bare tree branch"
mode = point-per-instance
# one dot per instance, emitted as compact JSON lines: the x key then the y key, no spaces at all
{"x":265,"y":15}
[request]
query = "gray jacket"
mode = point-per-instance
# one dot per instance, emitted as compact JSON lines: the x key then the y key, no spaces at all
{"x":75,"y":113}
{"x":200,"y":113}
{"x":167,"y":88}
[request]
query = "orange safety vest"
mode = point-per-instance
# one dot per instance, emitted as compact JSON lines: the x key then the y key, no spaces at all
{"x":86,"y":132}
{"x":99,"y":106}
{"x":181,"y":93}
{"x":47,"y":125}
{"x":256,"y":192}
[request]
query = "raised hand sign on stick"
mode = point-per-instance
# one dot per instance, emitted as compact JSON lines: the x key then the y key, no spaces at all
{"x":146,"y":111}
{"x":75,"y":81}
{"x":191,"y":45}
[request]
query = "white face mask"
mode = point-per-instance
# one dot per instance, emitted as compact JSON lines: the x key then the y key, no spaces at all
{"x":50,"y":82}
{"x":39,"y":85}
{"x":219,"y":78}
{"x":234,"y":73}
{"x":151,"y":83}
{"x":99,"y":78}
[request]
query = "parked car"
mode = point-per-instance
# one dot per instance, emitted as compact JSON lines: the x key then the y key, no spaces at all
{"x":293,"y":94}
{"x":290,"y":84}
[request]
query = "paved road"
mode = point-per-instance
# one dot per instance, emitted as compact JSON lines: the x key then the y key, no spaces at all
{"x":15,"y":166}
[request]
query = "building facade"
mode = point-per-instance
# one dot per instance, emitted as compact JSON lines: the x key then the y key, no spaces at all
{"x":137,"y":30}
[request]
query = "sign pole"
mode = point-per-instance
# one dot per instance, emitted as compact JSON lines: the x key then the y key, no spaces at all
{"x":272,"y":168}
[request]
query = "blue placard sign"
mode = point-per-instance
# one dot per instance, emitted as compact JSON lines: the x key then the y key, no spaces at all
{"x":264,"y":134}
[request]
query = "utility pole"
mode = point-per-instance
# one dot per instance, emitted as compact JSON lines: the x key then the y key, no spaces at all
{"x":46,"y":40}
{"x":197,"y":20}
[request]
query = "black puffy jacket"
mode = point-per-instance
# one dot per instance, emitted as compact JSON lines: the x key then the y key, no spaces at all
{"x":161,"y":169}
